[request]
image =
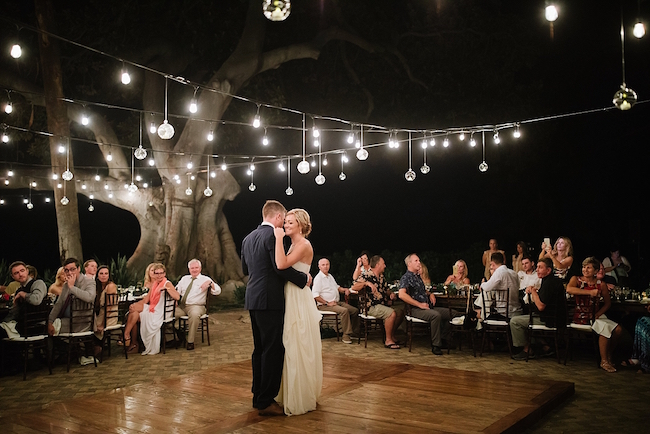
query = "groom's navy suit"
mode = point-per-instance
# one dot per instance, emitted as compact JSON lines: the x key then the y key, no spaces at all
{"x":265,"y":303}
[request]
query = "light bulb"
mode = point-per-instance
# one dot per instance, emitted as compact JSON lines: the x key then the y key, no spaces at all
{"x":9,"y":107}
{"x":224,"y":166}
{"x":61,"y":149}
{"x":325,"y":161}
{"x":34,"y":184}
{"x":126,"y":78}
{"x":207,"y":192}
{"x":110,"y":195}
{"x":256,"y":121}
{"x":357,"y":144}
{"x":281,"y":167}
{"x":188,"y":191}
{"x":67,"y":175}
{"x":210,"y":136}
{"x":30,"y":205}
{"x":445,"y":143}
{"x":344,"y":158}
{"x":497,"y":140}
{"x":140,"y":153}
{"x":362,"y":154}
{"x":16,"y":51}
{"x":152,"y":162}
{"x":193,"y":106}
{"x":84,"y":119}
{"x":248,"y":172}
{"x":5,"y":137}
{"x":303,"y":167}
{"x":6,"y":182}
{"x":432,"y":142}
{"x":313,"y":163}
{"x":83,"y":186}
{"x":265,"y":140}
{"x":97,"y":177}
{"x":105,"y":186}
{"x":91,"y":196}
{"x":2,"y":201}
{"x":192,"y":177}
{"x":165,"y":130}
{"x":472,"y":142}
{"x":276,"y":10}
{"x":65,"y":201}
{"x":59,"y":185}
{"x":342,"y":176}
{"x":176,"y":177}
{"x":109,"y":157}
{"x":516,"y":134}
{"x":316,"y":143}
{"x":288,"y":191}
{"x":25,"y":201}
{"x":461,"y":136}
{"x":213,"y":174}
{"x":350,"y":138}
{"x":189,"y":165}
{"x":551,"y":13}
{"x":639,"y":30}
{"x":425,"y":144}
{"x":47,"y":200}
{"x":145,"y":185}
{"x":252,"y":167}
{"x":315,"y":132}
{"x":152,"y":128}
{"x":91,"y":208}
{"x":10,"y":173}
{"x":138,"y":178}
{"x":320,"y":179}
{"x":55,"y":176}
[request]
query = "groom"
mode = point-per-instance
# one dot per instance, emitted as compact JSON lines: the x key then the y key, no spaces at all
{"x":265,"y":303}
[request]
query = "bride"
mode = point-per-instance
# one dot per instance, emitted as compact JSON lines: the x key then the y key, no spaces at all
{"x":302,"y":373}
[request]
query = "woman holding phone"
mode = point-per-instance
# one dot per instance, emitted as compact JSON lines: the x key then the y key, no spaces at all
{"x":561,"y":253}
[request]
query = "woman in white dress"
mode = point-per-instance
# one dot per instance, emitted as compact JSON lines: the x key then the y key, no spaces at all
{"x":302,"y":373}
{"x":149,"y":313}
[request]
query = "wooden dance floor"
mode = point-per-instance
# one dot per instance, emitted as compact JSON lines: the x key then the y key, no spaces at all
{"x":358,"y":395}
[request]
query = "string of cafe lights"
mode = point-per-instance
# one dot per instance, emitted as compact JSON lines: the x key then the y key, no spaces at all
{"x":165,"y":130}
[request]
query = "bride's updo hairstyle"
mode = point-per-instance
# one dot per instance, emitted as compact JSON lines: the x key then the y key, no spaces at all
{"x":302,"y":217}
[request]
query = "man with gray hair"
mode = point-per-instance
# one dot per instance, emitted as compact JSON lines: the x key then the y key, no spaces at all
{"x":193,"y":289}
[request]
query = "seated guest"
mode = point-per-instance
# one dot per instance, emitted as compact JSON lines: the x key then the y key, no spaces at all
{"x":412,"y":291}
{"x":326,"y":293}
{"x":424,"y":274}
{"x":617,"y":267}
{"x":30,"y":291}
{"x":502,"y":278}
{"x":561,"y":254}
{"x":549,"y":299}
{"x":641,"y":349}
{"x":522,"y":250}
{"x":90,"y":268}
{"x":459,"y":274}
{"x":487,"y":256}
{"x":149,"y":313}
{"x":77,"y":285}
{"x":363,"y":265}
{"x":105,"y":286}
{"x":379,"y":298}
{"x":586,"y":291}
{"x":57,"y":286}
{"x":193,"y":289}
{"x":527,"y":277}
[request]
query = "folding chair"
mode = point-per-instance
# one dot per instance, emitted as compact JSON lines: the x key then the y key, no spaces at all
{"x":411,"y":321}
{"x":331,"y":318}
{"x":496,"y":315}
{"x":112,"y":314}
{"x":366,"y":322}
{"x":168,"y":320}
{"x":204,"y":320}
{"x":460,"y":328}
{"x":82,"y":317}
{"x":582,"y":330}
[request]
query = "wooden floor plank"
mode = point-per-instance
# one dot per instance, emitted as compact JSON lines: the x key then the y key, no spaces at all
{"x":377,"y":397}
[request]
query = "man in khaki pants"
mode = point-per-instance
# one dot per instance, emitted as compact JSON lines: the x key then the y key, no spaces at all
{"x":193,"y":289}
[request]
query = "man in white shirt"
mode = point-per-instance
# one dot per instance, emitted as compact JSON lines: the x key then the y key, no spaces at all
{"x":193,"y":289}
{"x":326,"y":293}
{"x":528,"y":274}
{"x":502,"y":278}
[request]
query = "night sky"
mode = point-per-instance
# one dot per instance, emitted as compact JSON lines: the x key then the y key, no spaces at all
{"x":582,"y":176}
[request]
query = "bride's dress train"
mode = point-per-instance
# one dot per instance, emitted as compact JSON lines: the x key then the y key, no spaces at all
{"x":302,"y":374}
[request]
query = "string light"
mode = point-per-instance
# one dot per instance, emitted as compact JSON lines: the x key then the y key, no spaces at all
{"x":10,"y":173}
{"x":166,"y":130}
{"x":61,"y":149}
{"x":265,"y":139}
{"x":188,"y":190}
{"x":16,"y":51}
{"x":351,"y":135}
{"x":257,"y":122}
{"x":223,"y":164}
{"x":639,"y":30}
{"x":445,"y":142}
{"x":208,"y":191}
{"x":303,"y":166}
{"x":67,"y":175}
{"x":252,"y":186}
{"x":193,"y":105}
{"x":5,"y":136}
{"x":461,"y":136}
{"x":9,"y":107}
{"x":84,"y":118}
{"x":47,"y":199}
{"x":362,"y":154}
{"x":151,"y":161}
{"x":496,"y":138}
{"x":425,"y":142}
{"x":55,"y":176}
{"x":281,"y":166}
{"x":410,"y":174}
{"x":344,"y":159}
{"x":483,"y":167}
{"x":210,"y":134}
{"x":516,"y":134}
{"x":97,"y":177}
{"x":152,"y":126}
{"x":83,"y":186}
{"x":425,"y":167}
{"x":551,"y":13}
{"x":189,"y":164}
{"x":140,"y":153}
{"x":125,"y":76}
{"x":109,"y":157}
{"x":472,"y":141}
{"x":289,"y":190}
{"x":132,"y":187}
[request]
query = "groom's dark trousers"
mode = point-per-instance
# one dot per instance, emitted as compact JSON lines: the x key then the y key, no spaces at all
{"x":265,"y":303}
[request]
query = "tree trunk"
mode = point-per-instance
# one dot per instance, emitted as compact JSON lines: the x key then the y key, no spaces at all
{"x":57,"y":122}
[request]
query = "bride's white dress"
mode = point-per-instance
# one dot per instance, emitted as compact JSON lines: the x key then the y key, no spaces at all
{"x":302,"y":374}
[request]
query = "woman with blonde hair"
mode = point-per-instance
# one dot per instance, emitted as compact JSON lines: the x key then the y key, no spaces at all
{"x":561,"y":254}
{"x":302,"y":374}
{"x":459,"y":274}
{"x":57,"y":286}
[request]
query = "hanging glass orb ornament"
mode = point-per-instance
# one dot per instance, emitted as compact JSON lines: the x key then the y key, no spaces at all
{"x":252,"y":187}
{"x":67,"y":175}
{"x":342,"y":176}
{"x":132,"y":188}
{"x":425,"y":169}
{"x":410,"y":175}
{"x":65,"y":201}
{"x":165,"y":130}
{"x":320,"y":179}
{"x":303,"y":167}
{"x":483,"y":167}
{"x":207,"y":192}
{"x":276,"y":10}
{"x":30,"y":205}
{"x":91,"y":208}
{"x":188,"y":191}
{"x":140,"y":153}
{"x":288,"y":191}
{"x":624,"y":98}
{"x":362,"y":154}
